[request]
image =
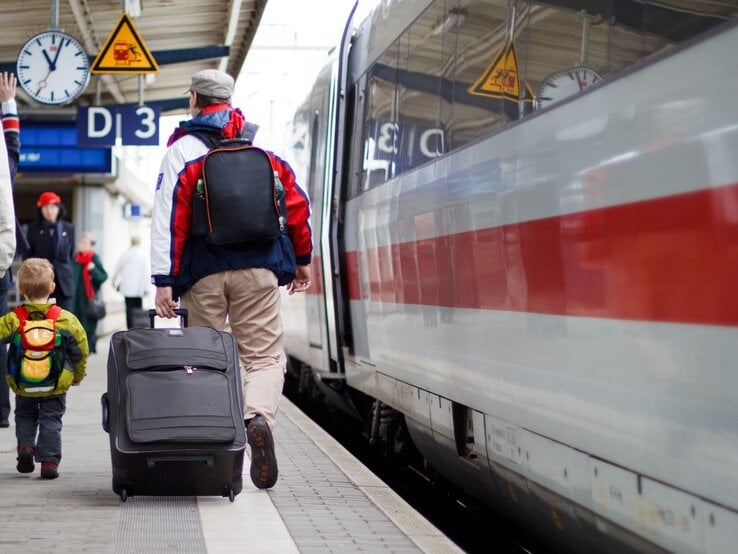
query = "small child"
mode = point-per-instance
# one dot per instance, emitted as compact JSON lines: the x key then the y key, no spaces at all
{"x":48,"y":353}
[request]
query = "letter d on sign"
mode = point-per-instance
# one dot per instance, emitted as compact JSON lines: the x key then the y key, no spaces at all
{"x":95,"y":115}
{"x":95,"y":126}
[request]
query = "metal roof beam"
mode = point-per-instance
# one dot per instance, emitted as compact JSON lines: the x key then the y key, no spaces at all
{"x":230,"y":31}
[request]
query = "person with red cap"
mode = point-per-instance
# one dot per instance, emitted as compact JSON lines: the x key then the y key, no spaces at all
{"x":52,"y":238}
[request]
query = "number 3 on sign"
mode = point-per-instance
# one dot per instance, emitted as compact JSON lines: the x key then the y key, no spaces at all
{"x":147,"y":121}
{"x":140,"y":125}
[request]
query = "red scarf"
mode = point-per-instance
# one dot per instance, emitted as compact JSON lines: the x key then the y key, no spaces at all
{"x":84,"y":259}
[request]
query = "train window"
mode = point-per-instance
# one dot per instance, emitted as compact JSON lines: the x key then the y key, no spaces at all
{"x":420,"y":68}
{"x":479,"y":90}
{"x":380,"y":134}
{"x":300,"y":141}
{"x":466,"y":68}
{"x":355,"y":136}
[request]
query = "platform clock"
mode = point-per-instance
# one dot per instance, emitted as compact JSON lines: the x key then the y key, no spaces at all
{"x":53,"y":67}
{"x":564,"y":83}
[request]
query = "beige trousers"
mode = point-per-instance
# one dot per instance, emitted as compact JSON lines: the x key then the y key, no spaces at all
{"x":250,"y":299}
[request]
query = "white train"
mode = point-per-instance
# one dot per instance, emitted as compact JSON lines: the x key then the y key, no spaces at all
{"x":526,"y":226}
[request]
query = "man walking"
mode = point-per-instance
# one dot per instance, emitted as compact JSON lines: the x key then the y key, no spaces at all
{"x":240,"y":283}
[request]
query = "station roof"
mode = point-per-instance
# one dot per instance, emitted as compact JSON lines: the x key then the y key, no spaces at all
{"x":183,"y":36}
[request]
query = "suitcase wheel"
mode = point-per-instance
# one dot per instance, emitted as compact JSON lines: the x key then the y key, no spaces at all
{"x":231,"y":495}
{"x":123,"y":495}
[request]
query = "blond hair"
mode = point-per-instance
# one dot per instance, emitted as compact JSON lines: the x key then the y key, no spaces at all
{"x":35,"y":277}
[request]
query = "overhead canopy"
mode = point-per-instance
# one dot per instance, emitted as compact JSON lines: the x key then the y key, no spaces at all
{"x":184,"y":36}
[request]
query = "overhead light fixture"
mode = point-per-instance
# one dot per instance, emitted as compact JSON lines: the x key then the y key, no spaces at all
{"x":132,"y":8}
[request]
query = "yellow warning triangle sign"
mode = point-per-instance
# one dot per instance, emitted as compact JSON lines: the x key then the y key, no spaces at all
{"x":501,"y":79}
{"x":124,"y":51}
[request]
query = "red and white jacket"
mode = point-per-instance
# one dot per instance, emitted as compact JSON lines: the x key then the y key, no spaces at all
{"x":179,"y":260}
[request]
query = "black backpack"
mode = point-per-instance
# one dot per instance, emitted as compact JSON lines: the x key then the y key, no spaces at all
{"x":239,"y":200}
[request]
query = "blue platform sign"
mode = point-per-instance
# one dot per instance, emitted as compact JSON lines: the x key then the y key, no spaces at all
{"x":135,"y":125}
{"x":51,"y":147}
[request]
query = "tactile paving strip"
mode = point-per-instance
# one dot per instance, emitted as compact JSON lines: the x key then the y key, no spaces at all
{"x":323,"y":510}
{"x":160,"y":524}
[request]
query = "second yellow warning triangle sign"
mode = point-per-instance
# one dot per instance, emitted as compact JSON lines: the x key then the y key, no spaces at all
{"x":501,"y":78}
{"x":124,"y":52}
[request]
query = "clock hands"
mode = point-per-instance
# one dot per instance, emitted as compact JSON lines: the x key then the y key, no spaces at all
{"x":56,"y":57}
{"x":52,"y":63}
{"x":42,"y":82}
{"x":48,"y":59}
{"x":52,"y":66}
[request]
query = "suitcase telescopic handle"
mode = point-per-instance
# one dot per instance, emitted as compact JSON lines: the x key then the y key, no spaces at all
{"x":181,"y":312}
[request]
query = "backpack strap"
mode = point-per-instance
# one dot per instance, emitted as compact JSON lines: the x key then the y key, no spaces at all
{"x":22,"y":314}
{"x":52,"y":313}
{"x":211,"y":140}
{"x":249,"y":132}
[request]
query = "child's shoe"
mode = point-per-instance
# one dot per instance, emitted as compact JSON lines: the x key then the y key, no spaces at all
{"x":49,"y":470}
{"x":25,"y":458}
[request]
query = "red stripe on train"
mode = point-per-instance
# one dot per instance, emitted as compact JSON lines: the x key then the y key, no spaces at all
{"x":672,"y":259}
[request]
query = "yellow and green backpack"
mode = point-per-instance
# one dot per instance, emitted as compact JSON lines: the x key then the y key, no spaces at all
{"x":35,"y":356}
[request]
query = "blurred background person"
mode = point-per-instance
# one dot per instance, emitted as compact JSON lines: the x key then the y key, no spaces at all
{"x":50,"y":237}
{"x":131,"y":278}
{"x":89,"y":274}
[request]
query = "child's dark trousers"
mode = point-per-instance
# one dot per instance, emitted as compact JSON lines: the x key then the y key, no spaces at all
{"x":42,"y":417}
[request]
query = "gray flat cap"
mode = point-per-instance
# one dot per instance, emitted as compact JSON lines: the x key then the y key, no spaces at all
{"x":211,"y":82}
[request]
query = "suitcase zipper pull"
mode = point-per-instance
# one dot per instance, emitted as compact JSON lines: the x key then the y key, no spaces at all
{"x":189,"y":369}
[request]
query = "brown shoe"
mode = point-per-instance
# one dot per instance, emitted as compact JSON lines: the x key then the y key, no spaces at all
{"x":263,"y":461}
{"x":25,"y":459}
{"x":49,"y":470}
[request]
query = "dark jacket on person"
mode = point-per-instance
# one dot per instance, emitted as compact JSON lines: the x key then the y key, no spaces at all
{"x":56,"y":243}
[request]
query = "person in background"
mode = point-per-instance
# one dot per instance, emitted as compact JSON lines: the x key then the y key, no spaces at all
{"x":52,"y":238}
{"x":89,"y":274}
{"x":11,"y":136}
{"x":241,"y":283}
{"x":131,"y":277}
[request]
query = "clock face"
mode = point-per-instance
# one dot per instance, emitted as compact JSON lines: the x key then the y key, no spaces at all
{"x":53,"y":67}
{"x":565,"y":83}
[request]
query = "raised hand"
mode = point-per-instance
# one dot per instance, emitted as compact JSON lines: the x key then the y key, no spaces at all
{"x":7,"y":86}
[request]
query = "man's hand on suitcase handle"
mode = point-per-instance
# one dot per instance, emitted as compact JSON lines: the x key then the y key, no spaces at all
{"x":163,"y":302}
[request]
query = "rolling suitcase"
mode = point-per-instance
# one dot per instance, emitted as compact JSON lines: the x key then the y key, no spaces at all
{"x":173,"y":411}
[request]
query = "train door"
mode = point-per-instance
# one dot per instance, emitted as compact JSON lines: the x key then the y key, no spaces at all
{"x":330,"y":260}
